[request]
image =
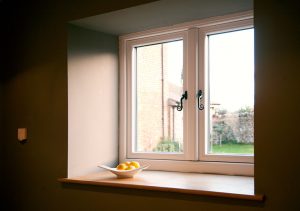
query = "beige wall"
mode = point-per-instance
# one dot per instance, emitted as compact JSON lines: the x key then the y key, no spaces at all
{"x":92,"y":100}
{"x":36,"y":97}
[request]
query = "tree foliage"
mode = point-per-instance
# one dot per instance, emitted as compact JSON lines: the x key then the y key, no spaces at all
{"x":235,"y":127}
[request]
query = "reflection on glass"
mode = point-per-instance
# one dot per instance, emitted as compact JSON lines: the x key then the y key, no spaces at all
{"x":159,"y":86}
{"x":231,"y":88}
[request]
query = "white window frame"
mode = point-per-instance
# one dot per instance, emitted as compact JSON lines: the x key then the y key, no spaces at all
{"x":194,"y":158}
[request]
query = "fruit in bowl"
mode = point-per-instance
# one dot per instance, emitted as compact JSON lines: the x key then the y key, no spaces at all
{"x":126,"y":170}
{"x":129,"y":165}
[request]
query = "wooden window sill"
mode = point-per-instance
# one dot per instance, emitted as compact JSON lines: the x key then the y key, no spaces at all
{"x":236,"y":187}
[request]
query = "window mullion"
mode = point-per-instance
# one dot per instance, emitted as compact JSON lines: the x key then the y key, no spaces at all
{"x":202,"y":85}
{"x":190,"y":75}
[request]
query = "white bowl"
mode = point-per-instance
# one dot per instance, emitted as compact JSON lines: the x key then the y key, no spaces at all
{"x":124,"y":173}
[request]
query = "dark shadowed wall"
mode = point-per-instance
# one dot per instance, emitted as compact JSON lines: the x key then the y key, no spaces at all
{"x":2,"y":66}
{"x":1,"y":133}
{"x":35,"y":96}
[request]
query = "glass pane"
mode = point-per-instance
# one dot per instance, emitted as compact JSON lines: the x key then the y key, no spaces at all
{"x":159,"y":86}
{"x":231,"y":89}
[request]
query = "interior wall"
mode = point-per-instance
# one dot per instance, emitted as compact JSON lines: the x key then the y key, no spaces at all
{"x":2,"y":67}
{"x":144,"y":17}
{"x":35,"y":88}
{"x":1,"y":133}
{"x":277,"y":77}
{"x":92,"y":100}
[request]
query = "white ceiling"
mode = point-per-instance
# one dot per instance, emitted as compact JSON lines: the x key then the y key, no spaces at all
{"x":160,"y":13}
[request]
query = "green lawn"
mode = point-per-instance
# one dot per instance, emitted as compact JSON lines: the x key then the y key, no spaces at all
{"x":233,"y":148}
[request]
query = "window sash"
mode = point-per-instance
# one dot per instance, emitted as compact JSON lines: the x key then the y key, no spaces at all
{"x":189,"y":150}
{"x":204,"y":85}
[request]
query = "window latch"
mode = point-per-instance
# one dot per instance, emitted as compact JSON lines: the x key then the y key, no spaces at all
{"x":200,"y":96}
{"x":180,"y":104}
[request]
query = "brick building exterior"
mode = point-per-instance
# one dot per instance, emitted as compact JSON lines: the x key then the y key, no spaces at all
{"x":157,"y":96}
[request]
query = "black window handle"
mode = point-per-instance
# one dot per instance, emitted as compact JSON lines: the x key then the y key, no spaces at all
{"x":200,"y":96}
{"x":180,"y":104}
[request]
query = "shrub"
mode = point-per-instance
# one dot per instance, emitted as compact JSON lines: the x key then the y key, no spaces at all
{"x":168,"y":145}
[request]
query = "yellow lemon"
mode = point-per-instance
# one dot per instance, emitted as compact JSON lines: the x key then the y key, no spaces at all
{"x":127,"y":163}
{"x":121,"y":166}
{"x":135,"y":164}
{"x":130,"y":167}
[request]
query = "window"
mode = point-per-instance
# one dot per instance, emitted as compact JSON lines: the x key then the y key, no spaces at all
{"x":187,"y":96}
{"x":230,"y":90}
